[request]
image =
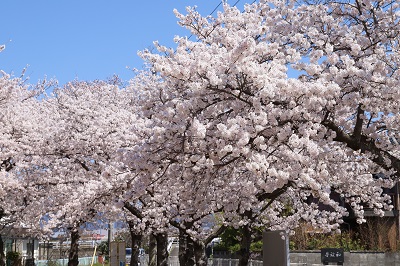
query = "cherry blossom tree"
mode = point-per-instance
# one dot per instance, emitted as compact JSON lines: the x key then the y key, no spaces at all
{"x":86,"y":123}
{"x":17,"y":103}
{"x":229,"y":108}
{"x":60,"y":155}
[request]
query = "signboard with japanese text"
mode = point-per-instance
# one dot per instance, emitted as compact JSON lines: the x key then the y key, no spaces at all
{"x":335,"y":255}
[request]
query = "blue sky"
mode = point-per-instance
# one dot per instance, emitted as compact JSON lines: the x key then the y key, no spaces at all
{"x":86,"y":40}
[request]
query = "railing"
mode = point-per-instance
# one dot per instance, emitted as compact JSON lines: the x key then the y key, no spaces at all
{"x":66,"y":245}
{"x":173,"y":261}
{"x":231,"y":262}
{"x":64,"y":262}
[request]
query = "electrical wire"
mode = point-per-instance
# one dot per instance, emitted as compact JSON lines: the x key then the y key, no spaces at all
{"x":212,"y":12}
{"x":236,"y":2}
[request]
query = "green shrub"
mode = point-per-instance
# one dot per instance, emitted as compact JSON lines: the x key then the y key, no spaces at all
{"x":52,"y":263}
{"x":13,"y":255}
{"x":345,"y":240}
{"x":256,"y":246}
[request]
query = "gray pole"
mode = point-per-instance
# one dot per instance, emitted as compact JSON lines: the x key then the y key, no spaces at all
{"x":109,"y":241}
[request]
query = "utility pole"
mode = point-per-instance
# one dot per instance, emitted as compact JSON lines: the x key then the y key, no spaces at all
{"x":109,"y":240}
{"x":397,"y":209}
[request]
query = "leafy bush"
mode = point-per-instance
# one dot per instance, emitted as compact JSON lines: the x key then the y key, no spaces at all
{"x":256,"y":246}
{"x":52,"y":263}
{"x":13,"y":255}
{"x":103,"y":248}
{"x":231,"y":241}
{"x":345,"y":240}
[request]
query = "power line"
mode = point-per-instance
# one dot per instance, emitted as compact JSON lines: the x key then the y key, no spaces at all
{"x":216,"y":8}
{"x":236,"y":2}
{"x":212,"y":12}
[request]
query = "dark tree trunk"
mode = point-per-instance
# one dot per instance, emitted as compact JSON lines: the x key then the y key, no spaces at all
{"x":73,"y":256}
{"x":162,"y":249}
{"x":152,"y":250}
{"x":2,"y":255}
{"x":199,"y":253}
{"x":136,"y":241}
{"x":244,"y":252}
{"x":186,"y":249}
{"x":182,"y":248}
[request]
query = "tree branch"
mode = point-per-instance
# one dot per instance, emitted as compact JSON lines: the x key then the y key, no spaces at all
{"x":132,"y":209}
{"x":364,"y":144}
{"x":359,"y":123}
{"x":275,"y":194}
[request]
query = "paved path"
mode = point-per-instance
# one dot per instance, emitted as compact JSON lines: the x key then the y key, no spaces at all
{"x":174,"y":250}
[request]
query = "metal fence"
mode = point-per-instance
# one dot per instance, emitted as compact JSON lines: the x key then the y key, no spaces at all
{"x":232,"y":262}
{"x":64,"y":262}
{"x":174,"y":261}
